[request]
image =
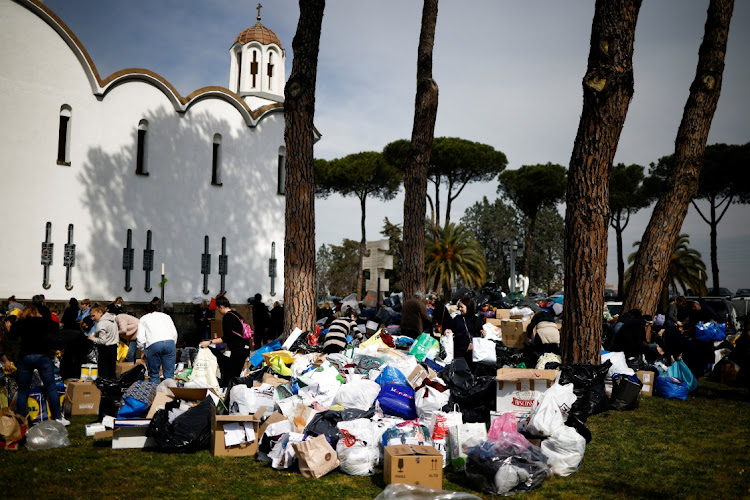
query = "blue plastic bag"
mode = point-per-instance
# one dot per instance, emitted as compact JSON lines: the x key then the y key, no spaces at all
{"x":670,"y":388}
{"x":257,"y":358}
{"x":391,"y":375}
{"x":710,"y":332}
{"x":397,"y":400}
{"x":680,"y":371}
{"x":132,"y":408}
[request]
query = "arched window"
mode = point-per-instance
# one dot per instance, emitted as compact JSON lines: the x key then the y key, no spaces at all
{"x":281,"y":173}
{"x":63,"y":141}
{"x":254,"y":67}
{"x":141,"y":166}
{"x":270,"y":71}
{"x":216,"y":161}
{"x":239,"y":70}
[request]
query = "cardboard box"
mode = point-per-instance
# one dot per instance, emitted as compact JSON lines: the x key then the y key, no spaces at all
{"x":81,"y":398}
{"x":418,"y":374}
{"x":413,"y":464}
{"x":518,"y":387}
{"x":494,"y":321}
{"x":218,"y":447}
{"x":647,"y":379}
{"x":501,"y":314}
{"x":159,"y":402}
{"x":131,"y":434}
{"x":123,"y":367}
{"x":514,"y":332}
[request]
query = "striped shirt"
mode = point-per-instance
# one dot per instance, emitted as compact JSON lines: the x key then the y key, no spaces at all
{"x":336,"y":337}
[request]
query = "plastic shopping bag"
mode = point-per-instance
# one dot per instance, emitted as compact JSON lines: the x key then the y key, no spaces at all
{"x":680,"y":371}
{"x":422,"y":346}
{"x":483,"y":351}
{"x":564,"y":450}
{"x":670,"y":388}
{"x":710,"y":332}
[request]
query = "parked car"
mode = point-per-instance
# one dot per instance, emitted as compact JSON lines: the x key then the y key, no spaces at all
{"x":614,"y":307}
{"x":742,"y":292}
{"x":609,"y":294}
{"x":721,"y":292}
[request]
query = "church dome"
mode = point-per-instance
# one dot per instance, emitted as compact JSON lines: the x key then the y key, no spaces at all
{"x":258,"y":33}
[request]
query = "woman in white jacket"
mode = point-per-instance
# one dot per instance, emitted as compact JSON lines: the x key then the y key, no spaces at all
{"x":105,"y":337}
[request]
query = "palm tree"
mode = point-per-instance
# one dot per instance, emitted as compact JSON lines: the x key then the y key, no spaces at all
{"x":686,"y":269}
{"x":453,"y":253}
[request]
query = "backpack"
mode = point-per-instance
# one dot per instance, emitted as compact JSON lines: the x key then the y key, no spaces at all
{"x":247,"y":332}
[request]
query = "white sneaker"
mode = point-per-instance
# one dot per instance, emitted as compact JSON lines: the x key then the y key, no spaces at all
{"x":63,"y":421}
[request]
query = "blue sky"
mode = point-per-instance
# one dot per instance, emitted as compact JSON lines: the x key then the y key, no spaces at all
{"x":509,"y":74}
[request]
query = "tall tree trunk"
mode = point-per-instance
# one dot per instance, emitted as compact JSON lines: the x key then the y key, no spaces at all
{"x":714,"y":256}
{"x":362,"y":249}
{"x":299,"y":111}
{"x":437,"y":199}
{"x":418,"y":158}
{"x":607,"y":90}
{"x":529,"y":241}
{"x":620,"y":258}
{"x":660,"y":236}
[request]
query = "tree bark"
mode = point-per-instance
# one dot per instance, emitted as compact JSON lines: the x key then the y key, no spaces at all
{"x":418,"y":158}
{"x":299,"y":111}
{"x":362,"y":249}
{"x":659,"y":238}
{"x":529,"y":241}
{"x":607,"y":91}
{"x":714,"y":257}
{"x":620,"y":258}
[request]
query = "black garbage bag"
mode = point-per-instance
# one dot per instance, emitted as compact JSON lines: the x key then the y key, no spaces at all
{"x":325,"y":423}
{"x":530,"y":304}
{"x":254,"y":376}
{"x":588,"y":386}
{"x":625,"y":392}
{"x":113,"y":390}
{"x":188,"y":433}
{"x":508,"y":356}
{"x":461,"y":293}
{"x":457,"y":375}
{"x":636,"y":363}
{"x":579,"y":426}
{"x":302,"y":345}
{"x":501,"y":468}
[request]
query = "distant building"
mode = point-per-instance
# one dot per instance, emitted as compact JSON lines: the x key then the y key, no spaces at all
{"x":108,"y":164}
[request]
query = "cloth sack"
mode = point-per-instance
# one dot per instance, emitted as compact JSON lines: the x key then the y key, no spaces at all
{"x":315,"y":456}
{"x":206,"y":369}
{"x":548,"y":332}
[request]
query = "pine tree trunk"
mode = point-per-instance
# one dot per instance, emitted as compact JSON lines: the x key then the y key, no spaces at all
{"x":299,"y":111}
{"x":658,"y":242}
{"x":529,"y":241}
{"x":620,"y":259}
{"x":714,"y":257}
{"x":607,"y":90}
{"x":418,"y":158}
{"x":362,"y":249}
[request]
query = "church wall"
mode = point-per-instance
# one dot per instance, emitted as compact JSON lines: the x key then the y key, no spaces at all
{"x":103,"y":197}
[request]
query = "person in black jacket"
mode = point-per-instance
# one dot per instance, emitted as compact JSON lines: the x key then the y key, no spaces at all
{"x":261,"y":320}
{"x":34,"y":330}
{"x":464,"y":327}
{"x":231,"y":327}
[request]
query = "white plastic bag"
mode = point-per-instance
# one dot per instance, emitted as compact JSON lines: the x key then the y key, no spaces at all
{"x":446,"y":340}
{"x":564,"y":396}
{"x":619,"y":364}
{"x":464,"y":436}
{"x":428,"y":400}
{"x":249,"y":400}
{"x":359,"y":394}
{"x":483,"y":351}
{"x":545,"y":417}
{"x":282,"y":454}
{"x":564,"y":450}
{"x":206,"y":369}
{"x":358,"y":447}
{"x":47,"y":435}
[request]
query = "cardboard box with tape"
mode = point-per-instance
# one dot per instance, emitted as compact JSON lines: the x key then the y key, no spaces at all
{"x":413,"y":464}
{"x":518,"y":387}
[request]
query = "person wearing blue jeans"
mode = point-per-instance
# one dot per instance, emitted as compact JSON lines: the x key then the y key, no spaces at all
{"x":161,"y":355}
{"x":43,"y":364}
{"x":157,"y":336}
{"x":33,"y":331}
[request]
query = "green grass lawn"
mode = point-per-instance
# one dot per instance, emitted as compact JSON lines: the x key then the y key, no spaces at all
{"x":698,"y":448}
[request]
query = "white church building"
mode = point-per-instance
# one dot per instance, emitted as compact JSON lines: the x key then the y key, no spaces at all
{"x":106,"y":180}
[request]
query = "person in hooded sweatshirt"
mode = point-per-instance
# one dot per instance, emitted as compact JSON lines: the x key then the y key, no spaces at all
{"x":105,"y":337}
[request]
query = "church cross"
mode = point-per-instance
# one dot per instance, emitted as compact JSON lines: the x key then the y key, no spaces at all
{"x":259,"y":7}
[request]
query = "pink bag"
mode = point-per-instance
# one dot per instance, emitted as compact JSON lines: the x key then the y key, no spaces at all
{"x":504,"y":429}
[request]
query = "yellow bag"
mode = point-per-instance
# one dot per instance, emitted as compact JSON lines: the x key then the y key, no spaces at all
{"x":122,"y":351}
{"x":277,"y":364}
{"x":285,"y":356}
{"x":374,"y":340}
